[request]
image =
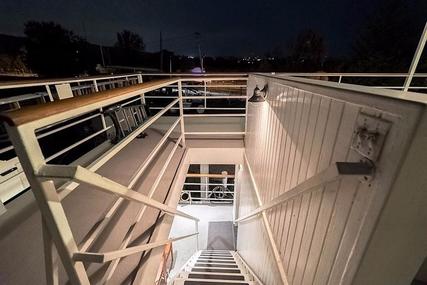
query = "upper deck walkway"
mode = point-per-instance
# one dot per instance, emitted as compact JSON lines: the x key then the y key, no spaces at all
{"x":85,"y":209}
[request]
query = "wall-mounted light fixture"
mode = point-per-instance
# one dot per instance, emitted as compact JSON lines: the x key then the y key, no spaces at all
{"x":259,"y":94}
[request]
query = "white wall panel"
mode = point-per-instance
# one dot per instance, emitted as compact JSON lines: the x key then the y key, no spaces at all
{"x":301,"y":130}
{"x":252,"y":239}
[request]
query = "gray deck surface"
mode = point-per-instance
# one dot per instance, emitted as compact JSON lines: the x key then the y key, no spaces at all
{"x":22,"y":260}
{"x":21,"y":243}
{"x":220,"y":236}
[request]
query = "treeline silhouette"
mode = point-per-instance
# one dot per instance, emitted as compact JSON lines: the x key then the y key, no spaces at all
{"x":385,"y":43}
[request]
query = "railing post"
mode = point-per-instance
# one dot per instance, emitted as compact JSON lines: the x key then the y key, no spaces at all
{"x":95,"y":85}
{"x":104,"y":124}
{"x":50,"y":257}
{"x":246,"y":111}
{"x":31,"y":157}
{"x":197,"y":235}
{"x":139,"y":76}
{"x":416,"y":59}
{"x":49,"y":93}
{"x":181,"y":111}
{"x":204,"y":92}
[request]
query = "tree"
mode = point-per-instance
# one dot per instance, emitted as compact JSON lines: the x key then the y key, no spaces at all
{"x":52,"y":50}
{"x":129,"y":41}
{"x":308,"y":51}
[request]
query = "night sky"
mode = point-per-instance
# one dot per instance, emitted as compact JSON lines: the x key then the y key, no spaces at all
{"x":227,"y":27}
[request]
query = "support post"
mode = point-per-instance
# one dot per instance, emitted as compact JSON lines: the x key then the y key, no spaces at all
{"x":197,"y":236}
{"x":204,"y":93}
{"x":416,"y":59}
{"x":48,"y":200}
{"x":49,"y":93}
{"x":140,"y":81}
{"x":50,"y":257}
{"x":181,"y":112}
{"x":95,"y":85}
{"x":204,"y":180}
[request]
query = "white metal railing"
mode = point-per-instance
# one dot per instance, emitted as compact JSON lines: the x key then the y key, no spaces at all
{"x":219,"y":193}
{"x":212,"y":197}
{"x":338,"y":170}
{"x":95,"y":84}
{"x":333,"y":173}
{"x":25,"y":133}
{"x":100,"y":83}
{"x":44,"y":91}
{"x":348,"y":77}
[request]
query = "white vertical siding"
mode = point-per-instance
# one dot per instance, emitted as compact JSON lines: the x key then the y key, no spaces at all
{"x":296,"y":134}
{"x":252,"y":239}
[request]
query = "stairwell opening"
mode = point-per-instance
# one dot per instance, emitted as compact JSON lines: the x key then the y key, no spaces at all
{"x":208,"y":193}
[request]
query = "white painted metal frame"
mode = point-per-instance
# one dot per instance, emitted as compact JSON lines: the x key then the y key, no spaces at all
{"x":267,"y":226}
{"x":333,"y":173}
{"x":57,"y":229}
{"x":95,"y":84}
{"x":416,"y":59}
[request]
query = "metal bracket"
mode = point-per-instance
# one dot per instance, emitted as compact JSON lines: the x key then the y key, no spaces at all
{"x":355,"y":168}
{"x":369,"y":136}
{"x":364,"y":169}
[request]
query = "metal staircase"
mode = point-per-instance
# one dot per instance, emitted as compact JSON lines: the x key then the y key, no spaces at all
{"x":215,"y":267}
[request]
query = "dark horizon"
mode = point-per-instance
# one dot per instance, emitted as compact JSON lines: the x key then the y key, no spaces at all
{"x":227,"y":28}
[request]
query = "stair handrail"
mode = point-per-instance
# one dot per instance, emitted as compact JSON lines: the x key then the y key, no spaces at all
{"x":22,"y":125}
{"x":334,"y":172}
{"x":103,"y":257}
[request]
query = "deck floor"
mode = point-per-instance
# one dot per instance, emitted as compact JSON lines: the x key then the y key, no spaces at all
{"x":21,"y":243}
{"x":22,"y":260}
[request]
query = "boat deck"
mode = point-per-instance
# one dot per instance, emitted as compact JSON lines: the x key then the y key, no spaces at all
{"x":21,"y":241}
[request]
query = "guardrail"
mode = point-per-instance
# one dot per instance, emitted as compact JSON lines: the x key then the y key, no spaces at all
{"x":338,"y":170}
{"x":24,"y":127}
{"x":358,"y":170}
{"x":211,"y":192}
{"x":91,"y":85}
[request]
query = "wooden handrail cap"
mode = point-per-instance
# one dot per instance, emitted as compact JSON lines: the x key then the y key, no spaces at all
{"x":32,"y":113}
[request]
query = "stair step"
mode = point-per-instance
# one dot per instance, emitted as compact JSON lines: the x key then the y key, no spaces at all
{"x":215,"y":261}
{"x":215,"y":276}
{"x":215,"y":269}
{"x":210,"y":267}
{"x":216,"y":250}
{"x":215,"y":256}
{"x":213,"y":281}
{"x":199,"y":264}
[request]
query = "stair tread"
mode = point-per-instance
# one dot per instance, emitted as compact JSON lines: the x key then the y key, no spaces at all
{"x":184,"y":273}
{"x":213,"y":265}
{"x":215,"y":276}
{"x":209,"y":267}
{"x":216,"y":256}
{"x":216,"y":261}
{"x":215,"y":269}
{"x":213,"y":281}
